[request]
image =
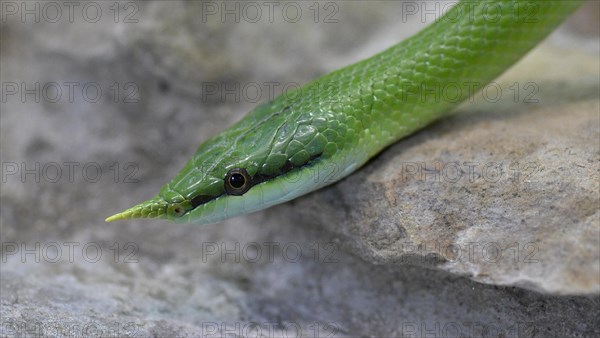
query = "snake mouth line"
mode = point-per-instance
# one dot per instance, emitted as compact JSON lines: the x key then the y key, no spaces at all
{"x":256,"y":180}
{"x":157,"y":207}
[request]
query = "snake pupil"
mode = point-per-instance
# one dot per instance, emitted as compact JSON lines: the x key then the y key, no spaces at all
{"x":237,"y":181}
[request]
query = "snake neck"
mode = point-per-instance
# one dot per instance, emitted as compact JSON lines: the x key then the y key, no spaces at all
{"x":421,"y":79}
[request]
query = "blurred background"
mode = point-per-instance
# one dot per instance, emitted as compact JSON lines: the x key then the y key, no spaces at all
{"x":104,"y":101}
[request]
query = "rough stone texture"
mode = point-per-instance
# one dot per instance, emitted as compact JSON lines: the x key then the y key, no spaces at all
{"x":504,"y":192}
{"x":323,"y":263}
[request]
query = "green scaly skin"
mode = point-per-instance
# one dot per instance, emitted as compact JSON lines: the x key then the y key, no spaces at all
{"x":324,"y":131}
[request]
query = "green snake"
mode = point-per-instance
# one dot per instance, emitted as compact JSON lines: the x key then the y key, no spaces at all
{"x":316,"y":135}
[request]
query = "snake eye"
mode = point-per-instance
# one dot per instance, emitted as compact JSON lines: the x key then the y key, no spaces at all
{"x":237,"y":182}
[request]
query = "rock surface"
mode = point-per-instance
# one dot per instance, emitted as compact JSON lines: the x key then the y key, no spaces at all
{"x":505,"y":191}
{"x":375,"y":255}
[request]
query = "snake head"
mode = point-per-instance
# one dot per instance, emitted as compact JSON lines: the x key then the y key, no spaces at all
{"x":272,"y":155}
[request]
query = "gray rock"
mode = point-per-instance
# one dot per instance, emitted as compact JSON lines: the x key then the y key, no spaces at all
{"x":364,"y":264}
{"x":505,"y":192}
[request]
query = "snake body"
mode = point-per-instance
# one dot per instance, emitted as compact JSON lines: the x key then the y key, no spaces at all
{"x":325,"y":130}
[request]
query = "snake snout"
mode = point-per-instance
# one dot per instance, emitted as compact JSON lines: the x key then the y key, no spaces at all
{"x":153,"y":208}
